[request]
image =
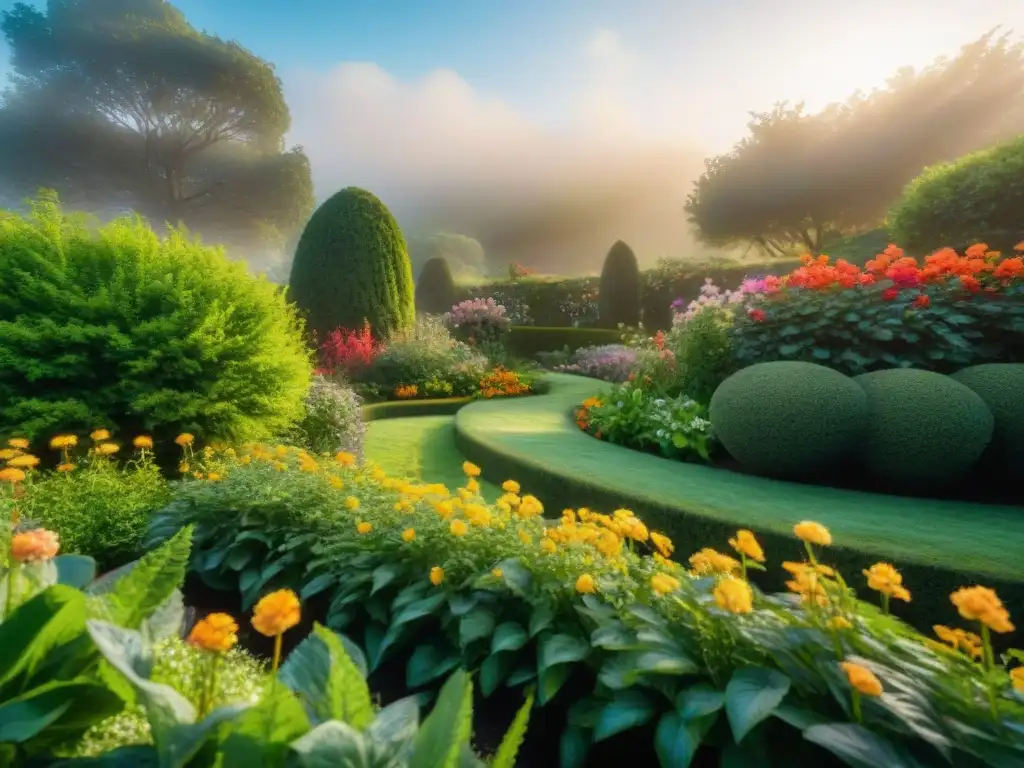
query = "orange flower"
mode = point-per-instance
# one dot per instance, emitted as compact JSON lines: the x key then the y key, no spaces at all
{"x":18,"y":442}
{"x":276,"y":613}
{"x":746,"y":544}
{"x":218,"y":632}
{"x":65,"y":467}
{"x":99,"y":435}
{"x":184,"y":439}
{"x":143,"y":442}
{"x":11,"y":475}
{"x":34,"y":546}
{"x":27,"y":461}
{"x":107,"y":449}
{"x":436,"y":575}
{"x":862,"y":679}
{"x":813,"y":533}
{"x":983,"y":605}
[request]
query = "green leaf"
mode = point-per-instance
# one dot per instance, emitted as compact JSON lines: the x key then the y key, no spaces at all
{"x":666,"y":661}
{"x":318,"y":585}
{"x":448,"y":726}
{"x":167,"y":620}
{"x":509,"y":636}
{"x":429,"y":662}
{"x":26,"y":716}
{"x":573,"y":748}
{"x":882,"y":334}
{"x":614,"y":636}
{"x":699,"y":701}
{"x":150,"y":582}
{"x":543,"y":616}
{"x":396,"y":724}
{"x":855,"y":745}
{"x":515,"y":575}
{"x":331,"y":745}
{"x":476,"y":625}
{"x":551,"y":681}
{"x":629,"y":709}
{"x":676,"y":740}
{"x":619,"y":671}
{"x":261,"y":736}
{"x":385,"y":574}
{"x":75,"y":570}
{"x":752,"y":695}
{"x":417,"y":610}
{"x":560,"y":649}
{"x":505,"y":757}
{"x":788,"y":350}
{"x":494,"y":669}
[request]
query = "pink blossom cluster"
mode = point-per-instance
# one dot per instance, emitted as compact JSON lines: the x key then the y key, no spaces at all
{"x":711,"y":296}
{"x":477,"y":313}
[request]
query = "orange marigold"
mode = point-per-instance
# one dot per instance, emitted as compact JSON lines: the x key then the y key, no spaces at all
{"x":217,"y":632}
{"x":276,"y":613}
{"x":34,"y":546}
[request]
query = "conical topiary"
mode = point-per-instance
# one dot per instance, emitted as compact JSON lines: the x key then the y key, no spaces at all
{"x":435,"y":290}
{"x":351,"y":266}
{"x":619,"y":297}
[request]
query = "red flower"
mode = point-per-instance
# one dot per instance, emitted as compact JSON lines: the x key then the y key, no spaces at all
{"x":890,"y":293}
{"x":970,"y":283}
{"x":757,"y":315}
{"x":922,"y":301}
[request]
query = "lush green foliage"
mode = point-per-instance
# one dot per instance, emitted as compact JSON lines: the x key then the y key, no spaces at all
{"x":435,"y":289}
{"x":332,"y":421}
{"x":99,"y":509}
{"x":923,"y":428}
{"x":351,"y":266}
{"x":977,"y":199}
{"x":788,"y":419}
{"x":703,"y":352}
{"x":1000,"y":386}
{"x":619,"y":292}
{"x":116,"y":327}
{"x":526,"y":341}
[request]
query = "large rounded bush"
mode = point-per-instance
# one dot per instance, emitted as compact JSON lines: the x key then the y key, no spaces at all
{"x":788,"y":419}
{"x":1001,"y":386}
{"x":115,"y":327}
{"x":978,"y":198}
{"x":352,"y":266}
{"x":619,"y":295}
{"x":924,"y":429}
{"x":435,"y":290}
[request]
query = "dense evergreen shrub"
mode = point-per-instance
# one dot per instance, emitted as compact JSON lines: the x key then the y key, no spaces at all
{"x":923,"y":429}
{"x":978,"y":198}
{"x":619,"y":294}
{"x":788,"y":419}
{"x":1001,"y":386}
{"x":115,"y":327}
{"x":352,"y":266}
{"x":435,"y":290}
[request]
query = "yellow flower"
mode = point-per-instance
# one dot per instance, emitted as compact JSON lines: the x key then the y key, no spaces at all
{"x":663,"y":544}
{"x":478,"y":514}
{"x":436,"y":575}
{"x":526,"y":538}
{"x":34,"y":546}
{"x":458,"y":528}
{"x":352,"y":503}
{"x":345,"y":458}
{"x":734,"y":595}
{"x":959,"y":640}
{"x":510,"y":486}
{"x":808,"y":585}
{"x":218,"y":632}
{"x":813,"y":533}
{"x":837,"y":623}
{"x":409,"y":534}
{"x":184,"y":439}
{"x":27,"y":461}
{"x":213,"y":477}
{"x":99,"y":435}
{"x":746,"y":544}
{"x":473,"y":486}
{"x":336,"y":482}
{"x":60,"y":442}
{"x":143,"y":442}
{"x":497,"y":573}
{"x":6,"y":454}
{"x":276,"y":613}
{"x":862,"y":679}
{"x":1017,"y":678}
{"x":884,"y":578}
{"x":662,"y":583}
{"x":444,"y":508}
{"x":18,"y":442}
{"x":65,"y":467}
{"x":547,"y":546}
{"x":364,"y":528}
{"x":638,"y":531}
{"x":585,"y":584}
{"x":11,"y":475}
{"x":708,"y":561}
{"x":982,"y":604}
{"x":470,"y":469}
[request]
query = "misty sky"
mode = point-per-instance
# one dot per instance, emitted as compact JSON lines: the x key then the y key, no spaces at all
{"x":516,"y":98}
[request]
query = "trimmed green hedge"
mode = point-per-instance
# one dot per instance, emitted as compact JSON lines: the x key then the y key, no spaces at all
{"x":525,"y":341}
{"x":396,"y":409}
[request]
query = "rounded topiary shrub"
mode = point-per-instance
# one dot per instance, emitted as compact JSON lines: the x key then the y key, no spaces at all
{"x":118,"y":328}
{"x":788,"y":419}
{"x":619,"y":296}
{"x":924,"y":429}
{"x":1001,"y":386}
{"x":435,"y":290}
{"x":352,"y":266}
{"x":978,"y":198}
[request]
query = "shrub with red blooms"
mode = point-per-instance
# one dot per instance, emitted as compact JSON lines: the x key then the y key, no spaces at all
{"x":346,"y":351}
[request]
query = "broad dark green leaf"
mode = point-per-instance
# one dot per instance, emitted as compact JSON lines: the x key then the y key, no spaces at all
{"x":543,"y":616}
{"x":614,"y":636}
{"x":676,"y":741}
{"x":317,"y":585}
{"x":383,"y":575}
{"x":855,"y":745}
{"x":429,"y":662}
{"x":573,"y":748}
{"x":561,"y":649}
{"x":75,"y":570}
{"x":448,"y":727}
{"x":418,"y":609}
{"x":509,"y":636}
{"x":550,"y":682}
{"x":475,"y":625}
{"x":261,"y":736}
{"x":752,"y":695}
{"x":494,"y":670}
{"x":629,"y":709}
{"x":698,"y":701}
{"x":666,"y":661}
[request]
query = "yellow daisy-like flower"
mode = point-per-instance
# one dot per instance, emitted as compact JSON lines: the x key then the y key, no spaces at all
{"x":11,"y":475}
{"x":276,"y":613}
{"x":525,"y":538}
{"x":813,"y":533}
{"x":837,"y":623}
{"x":884,"y":578}
{"x":510,"y":486}
{"x":26,"y":461}
{"x":143,"y":442}
{"x":19,"y":443}
{"x":6,"y":454}
{"x":470,"y":469}
{"x":436,"y":575}
{"x":979,"y":604}
{"x":746,"y":544}
{"x":336,"y":482}
{"x":213,"y":477}
{"x":364,"y":528}
{"x":60,"y":442}
{"x":708,"y":561}
{"x":409,"y":534}
{"x":351,"y":503}
{"x":662,"y":543}
{"x":497,"y":573}
{"x":734,"y":595}
{"x":217,"y":632}
{"x":345,"y":458}
{"x":547,"y":546}
{"x":585,"y":584}
{"x":35,"y":546}
{"x":66,"y":467}
{"x":862,"y":679}
{"x":184,"y":439}
{"x":99,"y":435}
{"x":458,"y":528}
{"x":662,"y":583}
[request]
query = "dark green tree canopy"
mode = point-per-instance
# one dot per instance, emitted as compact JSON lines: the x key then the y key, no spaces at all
{"x":435,"y":289}
{"x":352,"y":265}
{"x":124,"y":102}
{"x":799,"y":178}
{"x":619,"y":294}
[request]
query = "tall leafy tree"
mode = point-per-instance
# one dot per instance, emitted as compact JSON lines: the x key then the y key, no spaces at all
{"x":799,"y":178}
{"x":123,"y":102}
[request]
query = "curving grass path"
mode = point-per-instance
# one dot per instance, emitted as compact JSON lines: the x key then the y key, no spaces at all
{"x":938,"y":544}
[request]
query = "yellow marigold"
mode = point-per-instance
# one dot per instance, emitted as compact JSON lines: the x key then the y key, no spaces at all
{"x":184,"y":467}
{"x":608,"y":543}
{"x":66,"y":467}
{"x":352,"y":503}
{"x":458,"y":528}
{"x":144,"y":442}
{"x":547,"y":546}
{"x":336,"y":482}
{"x":470,"y":469}
{"x":379,"y":475}
{"x":746,"y":544}
{"x":276,"y":613}
{"x":526,"y":538}
{"x":808,"y":585}
{"x":813,"y":533}
{"x":345,"y":458}
{"x":1017,"y":678}
{"x":107,"y":449}
{"x":409,"y":534}
{"x":662,"y":583}
{"x":638,"y":531}
{"x":585,"y":584}
{"x":837,"y":623}
{"x":34,"y":546}
{"x":982,"y":604}
{"x":6,"y":454}
{"x":478,"y":514}
{"x":27,"y":461}
{"x":218,"y":632}
{"x":797,"y":568}
{"x":884,"y":578}
{"x":662,"y":543}
{"x":436,"y":575}
{"x":734,"y":595}
{"x":99,"y":435}
{"x":60,"y":442}
{"x":11,"y":475}
{"x":444,"y":508}
{"x":708,"y":561}
{"x":18,"y":442}
{"x":184,"y":439}
{"x":213,"y":477}
{"x":510,"y":486}
{"x":862,"y":679}
{"x":497,"y":573}
{"x":364,"y":528}
{"x":529,"y":506}
{"x":959,"y":640}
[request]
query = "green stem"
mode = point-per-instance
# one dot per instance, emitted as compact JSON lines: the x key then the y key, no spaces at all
{"x":11,"y":581}
{"x":885,"y":603}
{"x":810,"y":553}
{"x":277,"y":653}
{"x":986,"y":646}
{"x":743,"y":563}
{"x":855,"y":701}
{"x":838,"y":645}
{"x":210,"y":688}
